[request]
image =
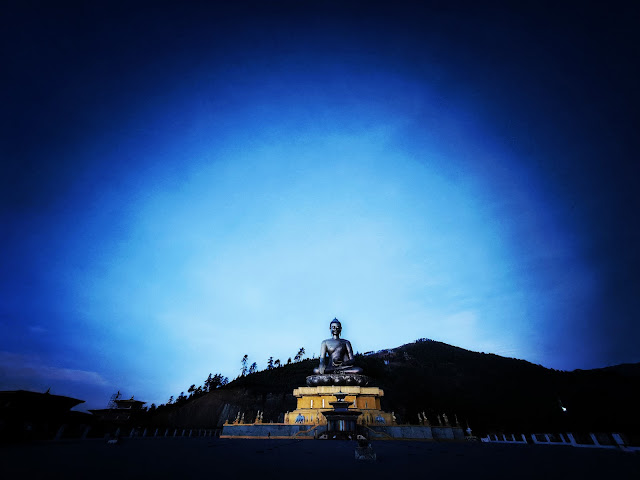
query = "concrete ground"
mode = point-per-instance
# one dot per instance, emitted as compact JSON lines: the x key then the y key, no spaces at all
{"x":209,"y":457}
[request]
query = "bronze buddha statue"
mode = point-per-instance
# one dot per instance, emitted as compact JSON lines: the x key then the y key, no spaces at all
{"x":336,"y":354}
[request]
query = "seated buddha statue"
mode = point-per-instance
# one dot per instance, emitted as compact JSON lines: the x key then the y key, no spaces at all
{"x":336,"y":354}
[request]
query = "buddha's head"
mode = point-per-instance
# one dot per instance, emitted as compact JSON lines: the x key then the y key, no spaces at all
{"x":335,"y":326}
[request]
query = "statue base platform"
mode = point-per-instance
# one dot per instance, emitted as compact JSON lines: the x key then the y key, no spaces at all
{"x":313,"y":401}
{"x":339,"y":379}
{"x":308,"y":420}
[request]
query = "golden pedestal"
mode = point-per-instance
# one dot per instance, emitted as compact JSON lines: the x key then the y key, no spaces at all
{"x":313,"y":400}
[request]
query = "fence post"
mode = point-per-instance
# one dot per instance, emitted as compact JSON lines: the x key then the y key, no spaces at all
{"x":619,"y":440}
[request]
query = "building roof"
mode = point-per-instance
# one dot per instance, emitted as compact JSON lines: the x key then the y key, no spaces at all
{"x":36,"y":401}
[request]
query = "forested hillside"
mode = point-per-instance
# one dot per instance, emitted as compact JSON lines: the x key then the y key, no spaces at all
{"x":489,"y":392}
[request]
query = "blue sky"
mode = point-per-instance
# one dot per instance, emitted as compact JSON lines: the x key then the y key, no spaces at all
{"x":183,"y":187}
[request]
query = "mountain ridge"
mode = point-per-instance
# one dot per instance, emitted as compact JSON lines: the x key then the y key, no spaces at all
{"x":486,"y":391}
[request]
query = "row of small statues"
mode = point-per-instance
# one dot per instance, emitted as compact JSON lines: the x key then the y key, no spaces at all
{"x":422,"y":419}
{"x":239,"y":420}
{"x":366,"y":419}
{"x":442,"y":421}
{"x":302,"y":419}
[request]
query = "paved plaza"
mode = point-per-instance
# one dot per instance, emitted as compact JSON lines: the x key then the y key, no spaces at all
{"x":227,"y":458}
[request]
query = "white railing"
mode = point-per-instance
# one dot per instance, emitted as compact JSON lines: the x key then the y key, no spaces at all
{"x":567,"y":439}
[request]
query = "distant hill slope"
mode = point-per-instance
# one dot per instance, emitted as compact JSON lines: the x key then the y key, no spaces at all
{"x":490,"y":392}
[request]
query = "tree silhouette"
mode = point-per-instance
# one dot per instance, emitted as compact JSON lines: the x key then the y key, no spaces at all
{"x":245,"y":359}
{"x":277,"y":363}
{"x":299,"y":355}
{"x":207,"y":384}
{"x":253,"y":368}
{"x":289,"y":361}
{"x":270,"y":363}
{"x":214,"y":381}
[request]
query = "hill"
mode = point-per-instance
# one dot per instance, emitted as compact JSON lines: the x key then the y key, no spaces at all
{"x":489,"y":392}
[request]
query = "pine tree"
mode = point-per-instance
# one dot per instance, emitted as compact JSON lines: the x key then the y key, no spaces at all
{"x":208,"y":384}
{"x":245,"y":359}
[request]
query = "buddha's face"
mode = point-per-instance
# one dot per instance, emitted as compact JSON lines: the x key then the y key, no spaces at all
{"x":335,"y":328}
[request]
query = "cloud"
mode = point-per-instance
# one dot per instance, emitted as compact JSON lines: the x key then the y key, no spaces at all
{"x":14,"y":365}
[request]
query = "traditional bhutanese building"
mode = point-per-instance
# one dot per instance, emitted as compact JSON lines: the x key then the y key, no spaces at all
{"x":311,"y":401}
{"x":26,"y":415}
{"x":119,"y":410}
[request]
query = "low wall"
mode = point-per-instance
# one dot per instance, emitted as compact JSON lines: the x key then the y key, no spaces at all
{"x":591,"y":440}
{"x":269,"y":430}
{"x":447,"y":433}
{"x":417,"y":432}
{"x":402,"y":431}
{"x":378,"y":432}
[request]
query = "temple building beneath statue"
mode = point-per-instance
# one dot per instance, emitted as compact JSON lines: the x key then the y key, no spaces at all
{"x":312,"y":401}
